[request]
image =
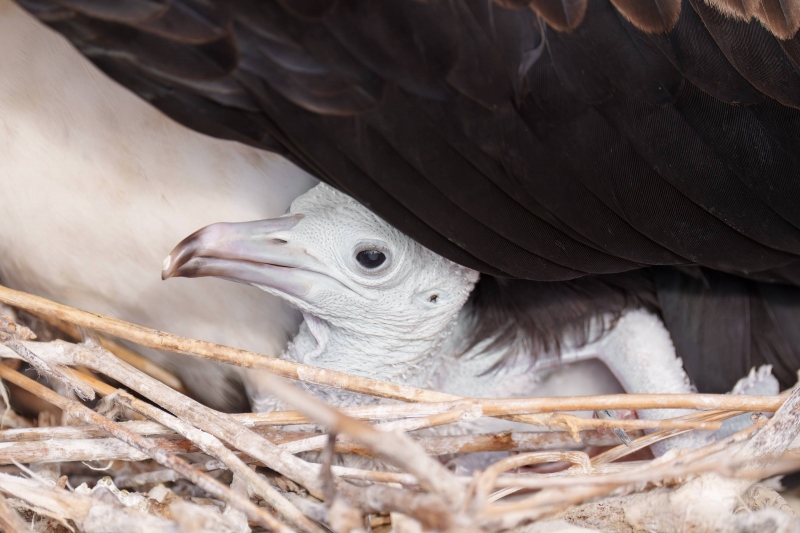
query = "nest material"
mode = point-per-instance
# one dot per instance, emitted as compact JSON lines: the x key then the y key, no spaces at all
{"x":140,"y":455}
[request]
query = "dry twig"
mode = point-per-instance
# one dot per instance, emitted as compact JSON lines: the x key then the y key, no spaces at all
{"x":427,"y":492}
{"x":160,"y":340}
{"x":144,"y":445}
{"x":10,"y":520}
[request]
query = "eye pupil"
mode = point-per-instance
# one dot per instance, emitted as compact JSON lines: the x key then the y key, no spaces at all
{"x":370,"y":258}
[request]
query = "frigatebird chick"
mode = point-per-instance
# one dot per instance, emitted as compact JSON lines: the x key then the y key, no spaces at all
{"x":374,"y":302}
{"x":377,"y":304}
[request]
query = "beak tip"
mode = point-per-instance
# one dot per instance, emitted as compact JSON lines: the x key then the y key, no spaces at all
{"x":165,"y":270}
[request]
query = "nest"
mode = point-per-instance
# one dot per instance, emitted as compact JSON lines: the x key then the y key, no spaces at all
{"x":113,"y":443}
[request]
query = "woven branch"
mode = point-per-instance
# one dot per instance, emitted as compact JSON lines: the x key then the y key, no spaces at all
{"x":422,"y":490}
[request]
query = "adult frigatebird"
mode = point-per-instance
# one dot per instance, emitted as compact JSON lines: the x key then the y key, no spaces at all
{"x":97,"y":186}
{"x":543,"y":140}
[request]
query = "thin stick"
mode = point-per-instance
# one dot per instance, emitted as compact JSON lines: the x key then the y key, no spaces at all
{"x":486,"y":480}
{"x":644,"y":441}
{"x":505,"y":441}
{"x":572,"y":424}
{"x":283,"y":418}
{"x":140,"y":427}
{"x":81,"y":412}
{"x":53,"y":372}
{"x":129,"y":356}
{"x":107,"y":449}
{"x":165,"y":476}
{"x":59,"y":352}
{"x":160,"y":340}
{"x":318,"y":442}
{"x":202,"y":417}
{"x":61,"y":505}
{"x":212,"y":446}
{"x":11,"y":520}
{"x":247,"y":441}
{"x":771,"y":438}
{"x":397,"y":448}
{"x":510,"y":406}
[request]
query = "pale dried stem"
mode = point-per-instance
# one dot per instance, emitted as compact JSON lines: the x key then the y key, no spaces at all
{"x":572,"y":424}
{"x":648,"y":440}
{"x":46,"y":450}
{"x":771,"y":438}
{"x":318,"y":442}
{"x":486,"y":480}
{"x":160,"y":340}
{"x":59,"y":352}
{"x":51,"y":371}
{"x":212,"y":446}
{"x":495,"y":442}
{"x":225,"y":428}
{"x":144,"y":445}
{"x":129,"y":356}
{"x":202,"y":417}
{"x":397,"y":448}
{"x":56,"y":451}
{"x":164,"y":476}
{"x":407,"y":410}
{"x":509,"y":406}
{"x":525,"y":441}
{"x":644,"y":441}
{"x":10,"y":520}
{"x":560,"y":489}
{"x":91,"y":515}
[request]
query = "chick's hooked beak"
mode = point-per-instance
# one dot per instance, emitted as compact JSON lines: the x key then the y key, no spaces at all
{"x":257,"y":253}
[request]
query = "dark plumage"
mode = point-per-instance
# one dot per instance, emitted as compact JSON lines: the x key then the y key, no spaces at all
{"x":533,"y":317}
{"x":547,"y":143}
{"x":545,"y":140}
{"x":722,"y":325}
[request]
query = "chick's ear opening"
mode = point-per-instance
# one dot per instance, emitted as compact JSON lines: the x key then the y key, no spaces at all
{"x":432,"y":298}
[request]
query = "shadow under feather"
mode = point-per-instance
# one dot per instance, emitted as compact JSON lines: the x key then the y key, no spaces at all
{"x":722,"y":325}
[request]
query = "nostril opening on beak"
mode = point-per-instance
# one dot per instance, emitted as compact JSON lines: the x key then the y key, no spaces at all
{"x":277,"y":241}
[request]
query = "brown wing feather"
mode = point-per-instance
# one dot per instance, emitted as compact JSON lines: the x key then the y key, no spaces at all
{"x":781,"y":18}
{"x":563,"y":15}
{"x":654,"y":16}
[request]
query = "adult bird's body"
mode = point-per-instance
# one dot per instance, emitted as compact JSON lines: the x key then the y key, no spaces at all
{"x":515,"y":138}
{"x":507,"y":139}
{"x":97,"y":186}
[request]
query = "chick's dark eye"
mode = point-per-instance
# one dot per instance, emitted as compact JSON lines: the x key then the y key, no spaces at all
{"x":370,"y":258}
